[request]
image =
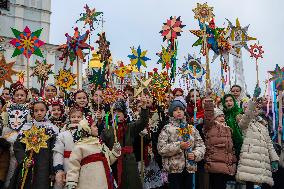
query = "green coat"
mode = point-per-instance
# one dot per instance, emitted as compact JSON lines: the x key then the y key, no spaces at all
{"x":130,"y":178}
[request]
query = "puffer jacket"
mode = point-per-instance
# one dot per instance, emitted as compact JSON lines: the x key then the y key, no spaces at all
{"x":257,"y":151}
{"x":173,"y":157}
{"x":220,"y":155}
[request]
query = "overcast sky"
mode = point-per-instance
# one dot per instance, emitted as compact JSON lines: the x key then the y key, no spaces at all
{"x":132,"y":23}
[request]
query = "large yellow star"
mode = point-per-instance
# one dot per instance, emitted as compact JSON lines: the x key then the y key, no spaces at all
{"x":35,"y":139}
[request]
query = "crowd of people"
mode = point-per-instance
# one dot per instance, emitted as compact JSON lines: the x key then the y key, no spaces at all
{"x":195,"y":140}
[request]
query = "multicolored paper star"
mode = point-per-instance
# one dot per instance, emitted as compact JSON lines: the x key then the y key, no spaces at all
{"x":138,"y":57}
{"x":203,"y":12}
{"x":27,"y":42}
{"x":75,"y":46}
{"x":89,"y":17}
{"x":41,"y":70}
{"x":65,"y":79}
{"x":278,"y":77}
{"x":172,"y":29}
{"x":256,"y":51}
{"x":35,"y":139}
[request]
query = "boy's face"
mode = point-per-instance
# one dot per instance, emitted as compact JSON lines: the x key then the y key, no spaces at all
{"x":178,"y":113}
{"x":76,"y":117}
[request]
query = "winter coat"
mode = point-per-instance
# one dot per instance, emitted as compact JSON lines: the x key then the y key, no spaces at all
{"x":220,"y":155}
{"x":62,"y":150}
{"x":129,"y":176}
{"x":89,"y":165}
{"x":257,"y":151}
{"x":173,"y":156}
{"x":40,"y":173}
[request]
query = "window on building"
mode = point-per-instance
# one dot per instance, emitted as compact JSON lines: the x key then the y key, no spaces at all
{"x":4,"y":4}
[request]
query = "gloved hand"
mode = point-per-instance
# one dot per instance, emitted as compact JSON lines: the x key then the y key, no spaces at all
{"x":198,"y":121}
{"x":257,"y":91}
{"x":274,"y":166}
{"x":117,"y":148}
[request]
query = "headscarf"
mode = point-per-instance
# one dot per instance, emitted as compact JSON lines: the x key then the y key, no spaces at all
{"x":230,"y":117}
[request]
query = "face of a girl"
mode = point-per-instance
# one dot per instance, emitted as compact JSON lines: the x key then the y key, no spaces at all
{"x":39,"y":111}
{"x":192,"y":96}
{"x":168,"y":98}
{"x":236,"y":92}
{"x":56,"y":111}
{"x":149,"y":102}
{"x":120,"y":116}
{"x":97,"y":97}
{"x":178,"y":113}
{"x":76,"y":117}
{"x":6,"y":94}
{"x":81,"y":100}
{"x":220,"y":119}
{"x":94,"y":130}
{"x":178,"y":93}
{"x":229,"y":102}
{"x":50,"y":92}
{"x":20,"y":97}
{"x":130,"y":95}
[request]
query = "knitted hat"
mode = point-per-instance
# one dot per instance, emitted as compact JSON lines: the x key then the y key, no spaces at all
{"x":217,"y":112}
{"x":177,"y":102}
{"x":176,"y":90}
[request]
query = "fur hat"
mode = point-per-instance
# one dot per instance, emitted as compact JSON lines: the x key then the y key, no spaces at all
{"x":177,"y":102}
{"x":217,"y":112}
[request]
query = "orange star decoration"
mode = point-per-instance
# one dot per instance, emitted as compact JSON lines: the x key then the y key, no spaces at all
{"x":109,"y":95}
{"x":35,"y":139}
{"x":6,"y":71}
{"x":203,"y":12}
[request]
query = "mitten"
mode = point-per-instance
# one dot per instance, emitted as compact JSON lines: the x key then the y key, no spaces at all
{"x":274,"y":166}
{"x":257,"y":91}
{"x":117,"y":148}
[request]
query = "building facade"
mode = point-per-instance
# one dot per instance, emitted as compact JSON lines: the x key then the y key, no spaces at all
{"x":35,"y":14}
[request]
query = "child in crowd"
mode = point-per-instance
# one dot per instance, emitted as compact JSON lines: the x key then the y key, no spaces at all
{"x":64,"y":145}
{"x":57,"y":112}
{"x":39,"y":167}
{"x":180,"y":145}
{"x":126,"y":171}
{"x":220,"y":159}
{"x":90,"y":160}
{"x":15,"y":117}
